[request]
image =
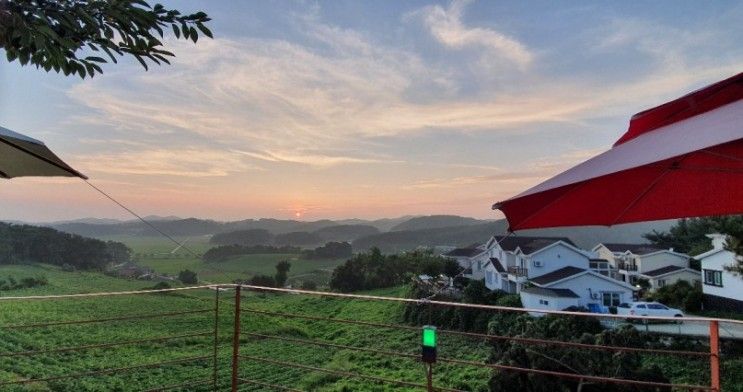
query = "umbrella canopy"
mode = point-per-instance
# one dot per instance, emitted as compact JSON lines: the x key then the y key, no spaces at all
{"x":22,"y":156}
{"x":681,"y":159}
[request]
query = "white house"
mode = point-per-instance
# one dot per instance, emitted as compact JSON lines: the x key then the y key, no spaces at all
{"x":572,"y":286}
{"x":629,"y":261}
{"x":519,"y":258}
{"x":723,"y":290}
{"x":467,"y":258}
{"x":669,"y":275}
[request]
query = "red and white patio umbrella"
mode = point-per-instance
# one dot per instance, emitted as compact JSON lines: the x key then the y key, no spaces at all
{"x":681,"y":159}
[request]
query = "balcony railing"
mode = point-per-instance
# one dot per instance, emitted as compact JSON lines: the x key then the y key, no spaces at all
{"x":202,"y":361}
{"x":628,"y":267}
{"x":518,"y":271}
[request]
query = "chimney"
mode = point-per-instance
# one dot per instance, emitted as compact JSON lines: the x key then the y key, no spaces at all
{"x":718,"y":240}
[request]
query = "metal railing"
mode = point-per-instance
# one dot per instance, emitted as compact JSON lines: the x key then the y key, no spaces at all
{"x":518,"y":271}
{"x":218,"y":369}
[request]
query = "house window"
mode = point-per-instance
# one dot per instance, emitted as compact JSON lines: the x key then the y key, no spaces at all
{"x":544,"y":302}
{"x":713,"y":278}
{"x":611,"y":299}
{"x":661,"y":282}
{"x":489,"y":277}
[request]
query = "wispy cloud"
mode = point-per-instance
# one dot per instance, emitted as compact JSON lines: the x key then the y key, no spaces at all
{"x":445,"y":24}
{"x":193,"y":162}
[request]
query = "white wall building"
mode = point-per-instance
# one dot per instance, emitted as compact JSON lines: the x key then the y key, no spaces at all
{"x":723,"y":290}
{"x":630,"y":261}
{"x":669,"y":275}
{"x":571,"y":286}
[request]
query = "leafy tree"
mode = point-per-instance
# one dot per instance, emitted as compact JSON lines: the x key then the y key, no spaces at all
{"x":282,"y":272}
{"x":66,"y":36}
{"x":331,"y":250}
{"x":681,"y":295}
{"x":689,"y":236}
{"x":629,"y":365}
{"x":262,"y":280}
{"x":451,"y":268}
{"x":188,"y":277}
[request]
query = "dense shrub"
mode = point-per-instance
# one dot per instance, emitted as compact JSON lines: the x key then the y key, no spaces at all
{"x":371,"y":270}
{"x":628,"y":365}
{"x":225,"y":252}
{"x":188,"y":277}
{"x":331,"y":250}
{"x":682,"y":295}
{"x":262,"y":280}
{"x":282,"y":273}
{"x":24,"y":283}
{"x":24,"y":243}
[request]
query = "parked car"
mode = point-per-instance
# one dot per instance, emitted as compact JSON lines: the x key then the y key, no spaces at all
{"x":652,"y":309}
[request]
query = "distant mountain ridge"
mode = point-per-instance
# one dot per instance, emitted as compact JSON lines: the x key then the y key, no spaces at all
{"x":390,"y":235}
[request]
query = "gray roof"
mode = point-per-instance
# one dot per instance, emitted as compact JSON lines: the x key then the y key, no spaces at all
{"x":558,"y":293}
{"x":556,"y":275}
{"x":497,"y":264}
{"x":529,"y":244}
{"x":663,"y":271}
{"x":638,"y":249}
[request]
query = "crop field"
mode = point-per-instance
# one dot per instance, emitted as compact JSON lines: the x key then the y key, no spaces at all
{"x":194,"y":338}
{"x":156,"y":254}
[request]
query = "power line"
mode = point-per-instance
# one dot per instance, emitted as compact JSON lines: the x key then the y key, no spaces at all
{"x":109,"y":197}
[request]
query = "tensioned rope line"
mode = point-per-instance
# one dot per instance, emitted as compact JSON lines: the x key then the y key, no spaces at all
{"x":153,"y":227}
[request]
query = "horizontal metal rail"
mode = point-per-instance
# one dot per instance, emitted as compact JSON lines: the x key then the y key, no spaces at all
{"x":104,"y":320}
{"x":106,"y":371}
{"x":481,"y":336}
{"x":103,"y":345}
{"x":372,"y":297}
{"x":342,"y":373}
{"x":266,"y":384}
{"x":179,"y":386}
{"x":598,"y":379}
{"x":483,"y":307}
{"x":469,"y":363}
{"x":113,"y":293}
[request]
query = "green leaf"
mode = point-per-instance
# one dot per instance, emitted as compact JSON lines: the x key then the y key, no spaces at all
{"x":204,"y":30}
{"x":194,"y":34}
{"x":141,"y":61}
{"x":95,"y":59}
{"x":176,"y":31}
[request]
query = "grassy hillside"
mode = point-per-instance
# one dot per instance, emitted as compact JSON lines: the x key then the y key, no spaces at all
{"x":52,"y":364}
{"x":155,"y":252}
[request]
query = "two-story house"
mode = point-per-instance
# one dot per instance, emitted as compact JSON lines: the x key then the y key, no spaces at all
{"x":630,"y":262}
{"x":510,"y":261}
{"x":723,"y":289}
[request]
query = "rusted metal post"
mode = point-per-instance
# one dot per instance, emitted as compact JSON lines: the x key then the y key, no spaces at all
{"x":429,"y":378}
{"x":236,"y":340}
{"x":216,"y":336}
{"x":714,"y":354}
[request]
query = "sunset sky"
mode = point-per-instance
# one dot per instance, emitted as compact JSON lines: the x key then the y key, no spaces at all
{"x":367,"y":109}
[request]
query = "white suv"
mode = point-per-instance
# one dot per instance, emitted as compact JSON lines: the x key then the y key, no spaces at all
{"x":652,"y":309}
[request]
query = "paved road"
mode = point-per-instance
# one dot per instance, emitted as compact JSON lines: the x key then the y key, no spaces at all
{"x":727,"y":330}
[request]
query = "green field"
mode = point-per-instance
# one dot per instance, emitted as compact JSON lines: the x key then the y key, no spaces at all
{"x":156,"y":254}
{"x":17,"y":313}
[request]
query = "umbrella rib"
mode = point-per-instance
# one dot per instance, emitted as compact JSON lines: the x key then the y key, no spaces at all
{"x":37,"y":156}
{"x":717,"y":154}
{"x":647,"y":190}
